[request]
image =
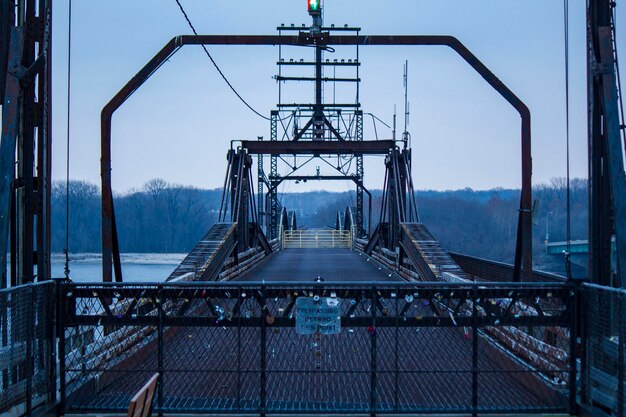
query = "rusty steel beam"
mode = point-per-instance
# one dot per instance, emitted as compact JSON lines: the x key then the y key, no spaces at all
{"x":6,"y":23}
{"x":369,"y":147}
{"x":523,"y":252}
{"x":10,"y":131}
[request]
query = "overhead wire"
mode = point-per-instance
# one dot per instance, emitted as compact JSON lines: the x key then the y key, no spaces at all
{"x":206,"y":51}
{"x":568,"y":266}
{"x":67,"y":151}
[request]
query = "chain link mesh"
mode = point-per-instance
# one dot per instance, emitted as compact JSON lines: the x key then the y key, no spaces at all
{"x":604,"y":332}
{"x":402,"y":348}
{"x":27,"y":349}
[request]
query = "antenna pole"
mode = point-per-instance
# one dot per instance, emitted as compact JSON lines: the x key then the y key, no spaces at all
{"x":405,"y":134}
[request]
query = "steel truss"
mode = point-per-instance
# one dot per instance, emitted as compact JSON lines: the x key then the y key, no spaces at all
{"x":25,"y":148}
{"x":523,"y":253}
{"x":607,"y":181}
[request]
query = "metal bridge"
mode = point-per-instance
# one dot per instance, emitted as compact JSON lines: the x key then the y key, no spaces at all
{"x":267,"y":316}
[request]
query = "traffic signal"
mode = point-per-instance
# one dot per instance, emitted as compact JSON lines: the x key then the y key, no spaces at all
{"x":315,"y":8}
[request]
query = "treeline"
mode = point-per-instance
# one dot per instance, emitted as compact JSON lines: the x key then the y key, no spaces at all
{"x":159,"y":217}
{"x":164,"y":217}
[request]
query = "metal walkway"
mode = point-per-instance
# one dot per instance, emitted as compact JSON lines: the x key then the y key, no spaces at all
{"x":306,"y":265}
{"x":206,"y":259}
{"x":428,"y":257}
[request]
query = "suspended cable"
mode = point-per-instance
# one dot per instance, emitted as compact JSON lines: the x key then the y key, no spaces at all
{"x":568,"y":269}
{"x":206,"y":51}
{"x":67,"y":151}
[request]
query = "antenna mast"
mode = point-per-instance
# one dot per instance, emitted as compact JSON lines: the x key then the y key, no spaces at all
{"x":405,"y":134}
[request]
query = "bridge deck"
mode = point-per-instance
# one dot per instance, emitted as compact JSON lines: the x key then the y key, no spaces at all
{"x":230,"y":366}
{"x":307,"y":264}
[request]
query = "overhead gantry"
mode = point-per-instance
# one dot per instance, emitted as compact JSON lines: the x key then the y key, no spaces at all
{"x":322,"y":38}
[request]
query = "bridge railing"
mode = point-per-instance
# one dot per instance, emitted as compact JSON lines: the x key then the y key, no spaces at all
{"x":311,"y":238}
{"x":488,"y":270}
{"x":401,"y":348}
{"x":27,"y":347}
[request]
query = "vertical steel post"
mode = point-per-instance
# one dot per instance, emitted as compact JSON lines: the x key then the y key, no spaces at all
{"x":44,"y":152}
{"x":583,"y":295}
{"x":474,"y":353}
{"x":52,"y":334}
{"x":614,"y":146}
{"x":397,"y":362}
{"x":573,"y":307}
{"x":25,"y":152}
{"x":374,"y":301}
{"x":160,"y":303}
{"x":620,"y":352}
{"x":30,"y":334}
{"x":263,"y":300}
{"x":260,"y":208}
{"x":10,"y":129}
{"x":607,"y":207}
{"x":240,"y":302}
{"x":62,"y":310}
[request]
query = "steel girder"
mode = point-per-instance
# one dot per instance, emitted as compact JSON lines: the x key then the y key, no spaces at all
{"x":607,"y":183}
{"x":25,"y":148}
{"x":523,"y":253}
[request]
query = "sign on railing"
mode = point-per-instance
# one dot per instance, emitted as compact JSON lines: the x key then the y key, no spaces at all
{"x":316,"y":239}
{"x":318,"y":315}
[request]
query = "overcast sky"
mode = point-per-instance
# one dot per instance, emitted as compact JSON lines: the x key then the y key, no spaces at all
{"x":180,"y":124}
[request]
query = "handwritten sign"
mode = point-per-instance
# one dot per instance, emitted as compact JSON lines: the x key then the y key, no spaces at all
{"x":320,"y":315}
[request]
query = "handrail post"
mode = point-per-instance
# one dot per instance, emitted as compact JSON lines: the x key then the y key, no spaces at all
{"x":263,"y":379}
{"x":396,"y":351}
{"x":240,"y":302}
{"x":620,"y":351}
{"x":474,"y":353}
{"x":61,"y":347}
{"x":30,"y":335}
{"x":51,"y":334}
{"x":160,"y":305}
{"x":573,"y":308}
{"x":374,"y":301}
{"x":583,"y":326}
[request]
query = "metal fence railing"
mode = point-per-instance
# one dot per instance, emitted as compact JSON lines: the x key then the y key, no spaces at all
{"x":27,"y":347}
{"x":241,"y":348}
{"x":310,"y":238}
{"x":603,"y":376}
{"x":238,"y":348}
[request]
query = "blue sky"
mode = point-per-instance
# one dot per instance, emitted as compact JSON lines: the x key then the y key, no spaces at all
{"x":180,"y":124}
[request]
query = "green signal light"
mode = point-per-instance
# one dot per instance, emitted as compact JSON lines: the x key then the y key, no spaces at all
{"x":314,"y":5}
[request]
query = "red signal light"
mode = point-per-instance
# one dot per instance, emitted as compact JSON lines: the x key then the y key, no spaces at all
{"x":315,"y":8}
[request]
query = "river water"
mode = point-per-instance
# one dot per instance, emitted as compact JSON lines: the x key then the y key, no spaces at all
{"x":136,"y":267}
